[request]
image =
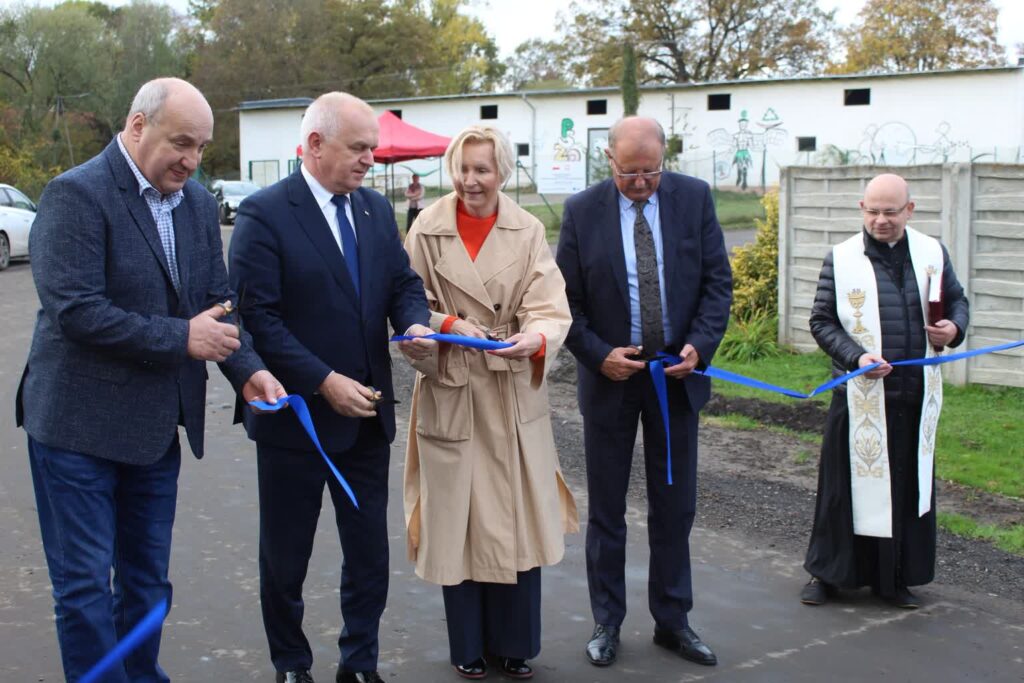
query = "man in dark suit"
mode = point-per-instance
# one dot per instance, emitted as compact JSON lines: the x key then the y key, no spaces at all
{"x":127,"y":261}
{"x":322,"y":270}
{"x":646,"y":271}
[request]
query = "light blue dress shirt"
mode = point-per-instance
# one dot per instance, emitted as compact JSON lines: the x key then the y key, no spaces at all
{"x":627,"y":217}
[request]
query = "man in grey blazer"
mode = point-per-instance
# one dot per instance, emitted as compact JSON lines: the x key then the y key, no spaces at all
{"x":128,"y":264}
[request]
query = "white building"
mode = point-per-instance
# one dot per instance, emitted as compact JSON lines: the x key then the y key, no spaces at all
{"x":725,"y":128}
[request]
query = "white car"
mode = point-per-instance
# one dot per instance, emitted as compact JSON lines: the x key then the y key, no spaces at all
{"x":16,"y":215}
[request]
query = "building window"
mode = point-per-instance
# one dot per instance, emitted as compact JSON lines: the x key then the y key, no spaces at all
{"x":806,"y":144}
{"x":595,"y":107}
{"x":396,"y":112}
{"x":522,"y":149}
{"x":853,"y":97}
{"x":720,"y":102}
{"x":488,"y":111}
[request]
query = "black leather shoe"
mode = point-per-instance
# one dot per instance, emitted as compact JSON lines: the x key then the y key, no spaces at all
{"x":358,"y":677}
{"x":297,"y":676}
{"x":474,"y":670}
{"x":516,"y":668}
{"x":687,"y":643}
{"x":817,"y":592}
{"x":603,"y":645}
{"x":904,"y":599}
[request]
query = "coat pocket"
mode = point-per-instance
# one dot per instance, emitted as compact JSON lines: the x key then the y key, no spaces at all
{"x":444,"y":413}
{"x":531,"y":404}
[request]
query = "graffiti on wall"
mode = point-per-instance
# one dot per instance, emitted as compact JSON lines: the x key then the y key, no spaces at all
{"x":738,"y":147}
{"x":566,"y":147}
{"x":895,"y":143}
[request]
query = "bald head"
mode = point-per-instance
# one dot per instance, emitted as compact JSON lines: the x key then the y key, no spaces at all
{"x":339,"y":133}
{"x":886,"y":207}
{"x":167,"y":130}
{"x":153,"y":95}
{"x":636,"y":149}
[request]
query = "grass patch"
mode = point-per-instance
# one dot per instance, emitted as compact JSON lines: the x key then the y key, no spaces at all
{"x":798,"y":371}
{"x":981,"y":439}
{"x":552,"y":223}
{"x":742,"y":422}
{"x":737,"y":210}
{"x":1010,"y":539}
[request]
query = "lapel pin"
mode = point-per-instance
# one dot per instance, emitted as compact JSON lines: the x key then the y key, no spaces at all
{"x":366,"y":212}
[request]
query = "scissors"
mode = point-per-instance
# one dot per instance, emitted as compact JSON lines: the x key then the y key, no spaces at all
{"x":378,"y":398}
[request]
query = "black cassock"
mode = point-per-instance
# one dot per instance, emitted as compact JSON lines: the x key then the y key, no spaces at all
{"x":835,"y":554}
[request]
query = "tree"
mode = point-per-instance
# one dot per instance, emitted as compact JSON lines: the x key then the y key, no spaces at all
{"x":679,"y":41}
{"x":537,"y":64}
{"x":922,"y":35}
{"x":630,"y":94}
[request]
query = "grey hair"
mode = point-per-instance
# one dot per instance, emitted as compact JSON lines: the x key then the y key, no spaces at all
{"x":150,"y":98}
{"x":614,"y":130}
{"x":322,"y":116}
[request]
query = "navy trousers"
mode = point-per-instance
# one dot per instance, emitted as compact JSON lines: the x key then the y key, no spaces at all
{"x":291,"y":485}
{"x":96,"y":515}
{"x":670,"y":509}
{"x":501,"y":619}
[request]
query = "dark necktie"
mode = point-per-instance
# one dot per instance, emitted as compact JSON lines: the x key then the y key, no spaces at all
{"x":348,"y":240}
{"x":652,"y":334}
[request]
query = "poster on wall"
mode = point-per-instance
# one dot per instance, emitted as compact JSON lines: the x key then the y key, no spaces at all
{"x":562,"y":168}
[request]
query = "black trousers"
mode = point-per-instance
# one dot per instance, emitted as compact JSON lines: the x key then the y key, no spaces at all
{"x":670,"y":509}
{"x":291,"y":484}
{"x":410,"y":217}
{"x":494,"y":618}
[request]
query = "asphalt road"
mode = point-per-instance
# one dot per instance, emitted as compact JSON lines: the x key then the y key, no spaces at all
{"x":746,"y":606}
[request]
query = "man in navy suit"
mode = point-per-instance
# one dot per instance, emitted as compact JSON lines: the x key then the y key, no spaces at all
{"x":646,"y":271}
{"x":322,"y":270}
{"x":127,"y":261}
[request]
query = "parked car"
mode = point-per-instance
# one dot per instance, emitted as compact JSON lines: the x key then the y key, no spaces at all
{"x":229,"y":194}
{"x":16,"y":215}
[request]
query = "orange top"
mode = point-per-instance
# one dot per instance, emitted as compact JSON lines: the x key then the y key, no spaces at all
{"x":473,"y":230}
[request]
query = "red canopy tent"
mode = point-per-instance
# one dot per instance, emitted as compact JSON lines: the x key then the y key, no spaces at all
{"x":400,"y":141}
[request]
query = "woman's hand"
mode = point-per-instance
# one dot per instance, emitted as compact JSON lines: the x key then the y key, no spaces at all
{"x":526,"y":344}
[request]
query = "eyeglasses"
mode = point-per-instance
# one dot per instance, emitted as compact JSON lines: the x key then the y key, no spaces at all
{"x":888,"y":213}
{"x":646,"y":175}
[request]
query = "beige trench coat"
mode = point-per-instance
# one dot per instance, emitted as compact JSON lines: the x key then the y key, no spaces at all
{"x":484,"y":493}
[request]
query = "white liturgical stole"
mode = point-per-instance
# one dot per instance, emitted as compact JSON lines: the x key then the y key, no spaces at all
{"x":857,"y":306}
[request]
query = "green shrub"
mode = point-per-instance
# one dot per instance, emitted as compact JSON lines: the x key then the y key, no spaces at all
{"x":755,"y":268}
{"x":750,"y":339}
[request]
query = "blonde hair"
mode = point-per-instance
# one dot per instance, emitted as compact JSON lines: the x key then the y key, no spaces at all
{"x":474,"y":135}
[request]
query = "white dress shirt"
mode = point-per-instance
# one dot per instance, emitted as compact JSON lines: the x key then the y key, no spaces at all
{"x":330,"y":210}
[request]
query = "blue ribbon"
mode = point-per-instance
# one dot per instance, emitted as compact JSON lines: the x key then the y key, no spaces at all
{"x":461,"y":340}
{"x":657,"y":369}
{"x":301,"y":410}
{"x":149,"y":625}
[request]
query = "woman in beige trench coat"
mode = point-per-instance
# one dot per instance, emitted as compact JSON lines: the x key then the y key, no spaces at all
{"x":485,"y":502}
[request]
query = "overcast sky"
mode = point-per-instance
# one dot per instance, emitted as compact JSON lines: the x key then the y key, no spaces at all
{"x":513,"y":21}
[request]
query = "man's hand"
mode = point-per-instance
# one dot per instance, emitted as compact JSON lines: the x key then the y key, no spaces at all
{"x":879,"y":372}
{"x":209,"y":339}
{"x":417,"y":349}
{"x":347,"y":397}
{"x":262,"y":386}
{"x":942,"y":333}
{"x":618,"y":365}
{"x":526,"y":344}
{"x":689,"y":359}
